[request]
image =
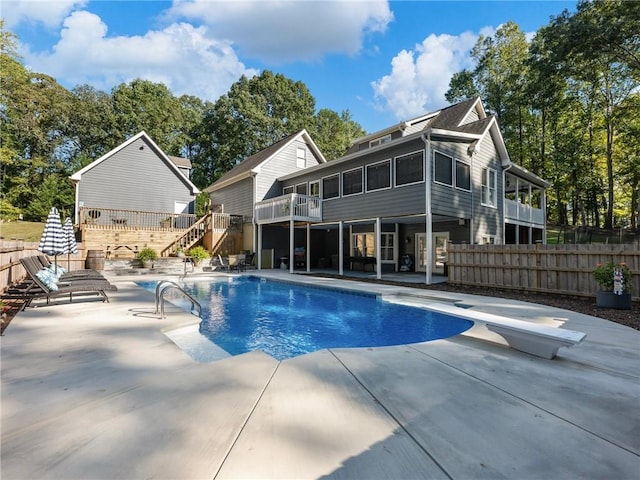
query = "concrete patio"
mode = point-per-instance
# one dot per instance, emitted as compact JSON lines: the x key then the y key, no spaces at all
{"x":95,"y":390}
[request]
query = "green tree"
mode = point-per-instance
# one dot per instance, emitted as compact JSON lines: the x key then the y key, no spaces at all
{"x":144,"y":105}
{"x":334,"y":133}
{"x":461,"y":87}
{"x":255,"y":113}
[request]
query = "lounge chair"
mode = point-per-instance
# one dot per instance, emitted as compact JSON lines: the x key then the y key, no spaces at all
{"x":43,"y":287}
{"x":44,"y":262}
{"x":223,"y":265}
{"x":236,"y":262}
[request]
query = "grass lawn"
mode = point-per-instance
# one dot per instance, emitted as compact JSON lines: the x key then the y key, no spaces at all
{"x":27,"y":231}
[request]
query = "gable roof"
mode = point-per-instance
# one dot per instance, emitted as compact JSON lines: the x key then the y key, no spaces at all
{"x":76,"y":177}
{"x":252,"y":164}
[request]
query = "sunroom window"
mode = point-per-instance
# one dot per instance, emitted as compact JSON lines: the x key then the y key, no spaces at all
{"x":443,"y":169}
{"x":379,"y":176}
{"x":352,"y":182}
{"x":331,"y":187}
{"x":409,"y":169}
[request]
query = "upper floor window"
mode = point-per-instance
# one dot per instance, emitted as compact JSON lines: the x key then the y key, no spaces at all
{"x":301,"y":158}
{"x":379,"y":175}
{"x":352,"y":182}
{"x":331,"y":187}
{"x":463,"y":175}
{"x":409,"y":169}
{"x":489,"y":187}
{"x":379,"y":141}
{"x":301,"y":188}
{"x":442,"y":168}
{"x":314,"y":188}
{"x":288,"y":190}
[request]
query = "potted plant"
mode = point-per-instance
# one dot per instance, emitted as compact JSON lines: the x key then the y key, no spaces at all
{"x":179,"y":251}
{"x":147,"y":255}
{"x":614,"y":280}
{"x":198,"y":254}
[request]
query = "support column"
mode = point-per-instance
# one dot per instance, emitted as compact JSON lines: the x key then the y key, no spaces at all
{"x":292,"y":239}
{"x":340,"y":249}
{"x":259,"y":249}
{"x":308,"y":248}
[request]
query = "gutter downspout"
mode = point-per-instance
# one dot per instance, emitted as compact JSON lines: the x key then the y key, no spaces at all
{"x":427,"y":207}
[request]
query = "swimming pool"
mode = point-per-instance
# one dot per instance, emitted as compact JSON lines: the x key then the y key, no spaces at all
{"x":284,"y":320}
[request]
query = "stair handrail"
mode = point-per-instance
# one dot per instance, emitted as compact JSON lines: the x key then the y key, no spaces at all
{"x":165,"y":285}
{"x":201,"y":225}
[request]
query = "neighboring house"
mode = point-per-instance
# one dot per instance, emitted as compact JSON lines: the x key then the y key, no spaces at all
{"x":136,"y":196}
{"x":136,"y":176}
{"x":396,"y":198}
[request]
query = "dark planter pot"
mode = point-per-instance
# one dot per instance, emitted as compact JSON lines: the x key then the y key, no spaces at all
{"x":611,"y":300}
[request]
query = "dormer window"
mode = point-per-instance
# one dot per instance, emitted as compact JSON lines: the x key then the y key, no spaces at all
{"x":380,"y":141}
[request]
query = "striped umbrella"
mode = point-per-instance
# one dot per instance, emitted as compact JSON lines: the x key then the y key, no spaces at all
{"x":53,"y":241}
{"x":70,"y":240}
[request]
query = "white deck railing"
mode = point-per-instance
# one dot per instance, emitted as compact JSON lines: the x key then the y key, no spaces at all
{"x":524,"y":213}
{"x":289,"y":207}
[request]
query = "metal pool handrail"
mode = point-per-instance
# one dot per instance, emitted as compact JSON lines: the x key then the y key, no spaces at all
{"x":165,"y":285}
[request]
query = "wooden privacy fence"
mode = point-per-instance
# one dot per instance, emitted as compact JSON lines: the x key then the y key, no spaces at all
{"x":560,"y":269}
{"x":11,"y":252}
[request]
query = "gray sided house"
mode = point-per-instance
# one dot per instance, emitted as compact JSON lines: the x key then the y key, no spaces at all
{"x":397,"y":198}
{"x":256,"y":178}
{"x":136,"y":176}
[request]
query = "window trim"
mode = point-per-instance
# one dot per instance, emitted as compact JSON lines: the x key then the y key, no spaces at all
{"x":319,"y":183}
{"x":380,"y":140}
{"x":322,"y":187}
{"x":468,"y":164}
{"x":301,"y":158}
{"x":395,"y":169}
{"x":485,"y":187}
{"x":298,"y":185}
{"x":366,"y":176}
{"x":453,"y":176}
{"x":361,"y":182}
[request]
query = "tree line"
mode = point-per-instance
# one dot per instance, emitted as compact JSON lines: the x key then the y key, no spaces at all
{"x":567,"y":102}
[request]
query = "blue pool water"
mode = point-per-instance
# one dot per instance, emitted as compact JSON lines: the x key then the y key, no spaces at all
{"x":286,"y":320}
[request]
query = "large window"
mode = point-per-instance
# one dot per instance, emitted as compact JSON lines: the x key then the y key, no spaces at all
{"x":409,"y":169}
{"x":301,"y":188}
{"x":463,"y":175}
{"x":379,"y":176}
{"x":352,"y":182}
{"x":442,"y":169}
{"x":489,"y":187}
{"x":331,"y":187}
{"x":363,"y":245}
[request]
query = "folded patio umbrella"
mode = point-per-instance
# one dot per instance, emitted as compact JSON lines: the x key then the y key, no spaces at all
{"x":70,"y":240}
{"x":53,"y":240}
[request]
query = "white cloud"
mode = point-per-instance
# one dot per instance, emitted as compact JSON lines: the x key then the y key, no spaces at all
{"x":419,"y":79}
{"x":181,"y":56}
{"x":278,"y":32}
{"x":46,"y":12}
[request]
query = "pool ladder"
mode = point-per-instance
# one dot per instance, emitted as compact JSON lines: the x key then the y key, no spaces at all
{"x":165,"y":285}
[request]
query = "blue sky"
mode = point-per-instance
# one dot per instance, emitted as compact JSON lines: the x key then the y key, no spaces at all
{"x":383,"y":61}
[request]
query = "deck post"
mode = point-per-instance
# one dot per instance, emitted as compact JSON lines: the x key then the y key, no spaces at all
{"x":378,"y":248}
{"x":292,"y":238}
{"x":340,"y":249}
{"x":308,"y":262}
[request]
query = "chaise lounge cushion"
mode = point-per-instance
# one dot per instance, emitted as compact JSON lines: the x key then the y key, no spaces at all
{"x":48,"y":278}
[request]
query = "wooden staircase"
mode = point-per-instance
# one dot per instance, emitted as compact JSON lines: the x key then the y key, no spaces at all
{"x":191,"y":237}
